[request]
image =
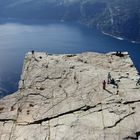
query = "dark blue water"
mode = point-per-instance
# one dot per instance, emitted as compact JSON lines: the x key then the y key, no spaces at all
{"x":18,"y":38}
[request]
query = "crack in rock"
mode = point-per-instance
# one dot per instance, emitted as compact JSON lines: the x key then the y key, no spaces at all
{"x":83,"y":108}
{"x":131,"y":102}
{"x":117,"y":122}
{"x":7,"y":120}
{"x":130,"y":138}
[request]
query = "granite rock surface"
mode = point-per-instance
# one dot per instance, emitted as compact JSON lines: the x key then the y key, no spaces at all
{"x":61,"y":97}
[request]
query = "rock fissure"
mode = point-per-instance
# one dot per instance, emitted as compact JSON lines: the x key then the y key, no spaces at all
{"x":131,"y":102}
{"x":83,"y":108}
{"x":7,"y":120}
{"x":117,"y":122}
{"x":130,"y":138}
{"x":59,"y":115}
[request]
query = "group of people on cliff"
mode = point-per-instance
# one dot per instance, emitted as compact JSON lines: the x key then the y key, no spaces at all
{"x":110,"y":80}
{"x":138,"y":82}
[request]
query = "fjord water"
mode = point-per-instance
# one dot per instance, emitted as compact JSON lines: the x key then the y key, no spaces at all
{"x":17,"y":38}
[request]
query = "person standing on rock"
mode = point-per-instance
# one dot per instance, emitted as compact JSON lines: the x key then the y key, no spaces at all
{"x":109,"y":78}
{"x":104,"y":84}
{"x":33,"y":55}
{"x":138,"y":82}
{"x":33,"y":52}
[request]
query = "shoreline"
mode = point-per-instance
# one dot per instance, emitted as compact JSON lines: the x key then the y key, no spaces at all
{"x":120,"y":38}
{"x":62,"y":21}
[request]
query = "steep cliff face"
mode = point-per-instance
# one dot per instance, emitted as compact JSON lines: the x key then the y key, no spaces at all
{"x":117,"y":17}
{"x":61,"y":97}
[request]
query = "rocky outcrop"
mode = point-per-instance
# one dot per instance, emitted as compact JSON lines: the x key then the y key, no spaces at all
{"x":60,"y":97}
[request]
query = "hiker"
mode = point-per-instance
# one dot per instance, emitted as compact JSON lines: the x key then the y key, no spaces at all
{"x":113,"y":82}
{"x":109,"y":78}
{"x":117,"y":85}
{"x":138,"y":82}
{"x":117,"y":92}
{"x":104,"y":84}
{"x":33,"y":55}
{"x":33,"y":52}
{"x":120,"y":53}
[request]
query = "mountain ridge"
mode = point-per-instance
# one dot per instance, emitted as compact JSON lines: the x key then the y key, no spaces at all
{"x":115,"y":17}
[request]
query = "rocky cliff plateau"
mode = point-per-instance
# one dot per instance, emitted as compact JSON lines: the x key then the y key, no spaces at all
{"x":60,"y":97}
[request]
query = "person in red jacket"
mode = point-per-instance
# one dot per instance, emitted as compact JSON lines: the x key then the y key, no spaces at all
{"x":104,"y":84}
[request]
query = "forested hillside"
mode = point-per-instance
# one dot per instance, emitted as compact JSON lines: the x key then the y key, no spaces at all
{"x":116,"y":17}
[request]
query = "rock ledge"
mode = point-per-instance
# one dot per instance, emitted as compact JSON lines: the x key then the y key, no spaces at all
{"x":60,"y":97}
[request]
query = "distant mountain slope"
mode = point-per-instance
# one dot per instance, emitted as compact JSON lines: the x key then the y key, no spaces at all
{"x":116,"y":17}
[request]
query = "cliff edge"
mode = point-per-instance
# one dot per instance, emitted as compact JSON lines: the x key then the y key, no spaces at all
{"x":60,"y":97}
